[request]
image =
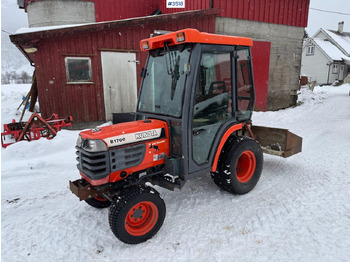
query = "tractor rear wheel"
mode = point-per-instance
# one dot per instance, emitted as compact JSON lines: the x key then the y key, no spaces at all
{"x":98,"y":202}
{"x":136,"y":214}
{"x":241,"y":166}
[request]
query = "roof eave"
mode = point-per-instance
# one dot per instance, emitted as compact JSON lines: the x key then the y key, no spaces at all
{"x":26,"y":38}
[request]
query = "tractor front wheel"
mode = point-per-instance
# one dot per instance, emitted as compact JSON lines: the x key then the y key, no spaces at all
{"x":241,"y":166}
{"x":98,"y":202}
{"x":136,"y":214}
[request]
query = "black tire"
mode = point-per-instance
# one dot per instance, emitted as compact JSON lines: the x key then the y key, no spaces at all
{"x":240,"y":167}
{"x":98,"y":202}
{"x":136,"y":214}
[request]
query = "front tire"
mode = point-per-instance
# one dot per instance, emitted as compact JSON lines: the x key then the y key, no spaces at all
{"x":98,"y":202}
{"x":241,"y":168}
{"x":136,"y":214}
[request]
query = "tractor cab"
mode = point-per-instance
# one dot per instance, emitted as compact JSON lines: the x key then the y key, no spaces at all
{"x":201,"y":85}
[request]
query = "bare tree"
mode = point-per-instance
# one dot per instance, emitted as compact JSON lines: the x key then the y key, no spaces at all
{"x":15,"y":78}
{"x":5,"y":78}
{"x":25,"y":78}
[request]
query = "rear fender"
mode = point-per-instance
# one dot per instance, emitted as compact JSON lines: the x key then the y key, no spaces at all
{"x":222,"y":143}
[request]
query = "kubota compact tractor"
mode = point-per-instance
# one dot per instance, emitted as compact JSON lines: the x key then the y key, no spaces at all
{"x":193,"y":118}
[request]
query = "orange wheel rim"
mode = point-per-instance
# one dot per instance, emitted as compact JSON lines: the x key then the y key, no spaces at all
{"x":141,"y":218}
{"x":102,"y":199}
{"x":245,"y":166}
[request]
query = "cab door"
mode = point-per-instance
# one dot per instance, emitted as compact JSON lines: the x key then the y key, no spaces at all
{"x":212,"y":106}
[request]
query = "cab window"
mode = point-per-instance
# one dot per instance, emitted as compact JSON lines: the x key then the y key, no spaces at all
{"x":212,"y":101}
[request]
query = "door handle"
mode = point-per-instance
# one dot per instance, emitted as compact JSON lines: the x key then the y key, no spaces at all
{"x":198,"y":131}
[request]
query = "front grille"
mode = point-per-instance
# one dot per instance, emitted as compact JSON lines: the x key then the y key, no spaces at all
{"x":125,"y":157}
{"x":94,"y":165}
{"x":98,"y":165}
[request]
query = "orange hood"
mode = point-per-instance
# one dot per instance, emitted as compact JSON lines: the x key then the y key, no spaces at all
{"x":127,"y":133}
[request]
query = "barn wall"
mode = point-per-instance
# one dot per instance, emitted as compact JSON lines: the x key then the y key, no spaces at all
{"x":190,"y":5}
{"x":85,"y":101}
{"x":108,"y":10}
{"x":286,"y":12}
{"x":285,"y":57}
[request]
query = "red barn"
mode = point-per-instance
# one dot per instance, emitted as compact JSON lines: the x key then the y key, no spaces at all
{"x":91,"y":71}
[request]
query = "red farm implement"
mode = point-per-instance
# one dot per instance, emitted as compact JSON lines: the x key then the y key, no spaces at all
{"x":34,"y":129}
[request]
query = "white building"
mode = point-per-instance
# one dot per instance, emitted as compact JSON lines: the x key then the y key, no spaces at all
{"x":326,"y":56}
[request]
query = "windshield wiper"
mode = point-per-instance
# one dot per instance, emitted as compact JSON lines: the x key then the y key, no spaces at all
{"x":167,"y":50}
{"x":173,"y":69}
{"x":175,"y":77}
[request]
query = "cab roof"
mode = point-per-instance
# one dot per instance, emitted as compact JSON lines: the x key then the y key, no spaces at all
{"x":193,"y":36}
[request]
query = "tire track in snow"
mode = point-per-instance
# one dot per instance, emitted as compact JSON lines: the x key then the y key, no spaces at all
{"x":278,"y":199}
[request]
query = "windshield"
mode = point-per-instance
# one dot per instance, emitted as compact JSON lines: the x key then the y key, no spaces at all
{"x":164,"y":81}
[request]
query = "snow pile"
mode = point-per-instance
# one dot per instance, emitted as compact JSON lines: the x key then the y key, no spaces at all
{"x":299,"y":211}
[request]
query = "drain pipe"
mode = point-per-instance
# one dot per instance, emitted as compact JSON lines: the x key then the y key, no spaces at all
{"x":329,"y":69}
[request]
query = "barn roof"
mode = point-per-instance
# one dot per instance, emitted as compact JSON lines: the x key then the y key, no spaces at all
{"x":31,"y":35}
{"x":26,"y":39}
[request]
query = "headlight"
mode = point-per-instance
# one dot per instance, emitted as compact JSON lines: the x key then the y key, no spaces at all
{"x":79,"y":141}
{"x":91,"y":145}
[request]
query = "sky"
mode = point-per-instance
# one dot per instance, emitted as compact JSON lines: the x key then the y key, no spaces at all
{"x":325,"y":20}
{"x":12,"y":18}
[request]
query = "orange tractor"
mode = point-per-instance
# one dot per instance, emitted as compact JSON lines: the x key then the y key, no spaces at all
{"x":193,"y":117}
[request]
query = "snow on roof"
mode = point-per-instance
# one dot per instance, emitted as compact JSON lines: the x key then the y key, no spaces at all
{"x":25,"y":30}
{"x":57,"y":27}
{"x":342,"y":40}
{"x":331,"y":50}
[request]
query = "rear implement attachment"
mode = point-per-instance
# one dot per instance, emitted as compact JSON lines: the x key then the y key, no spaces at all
{"x":277,"y":141}
{"x":34,"y":129}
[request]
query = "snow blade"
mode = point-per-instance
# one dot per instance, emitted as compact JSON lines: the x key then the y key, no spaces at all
{"x":277,"y":141}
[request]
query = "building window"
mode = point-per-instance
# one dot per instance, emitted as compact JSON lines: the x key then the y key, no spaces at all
{"x":335,"y":69}
{"x":310,"y":50}
{"x":78,"y":69}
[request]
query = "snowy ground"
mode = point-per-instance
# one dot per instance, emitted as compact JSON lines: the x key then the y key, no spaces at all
{"x":299,"y":211}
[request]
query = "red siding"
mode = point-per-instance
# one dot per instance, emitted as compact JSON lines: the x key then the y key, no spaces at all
{"x":261,"y":64}
{"x":190,"y":5}
{"x":286,"y":12}
{"x":108,"y":10}
{"x":85,"y":101}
